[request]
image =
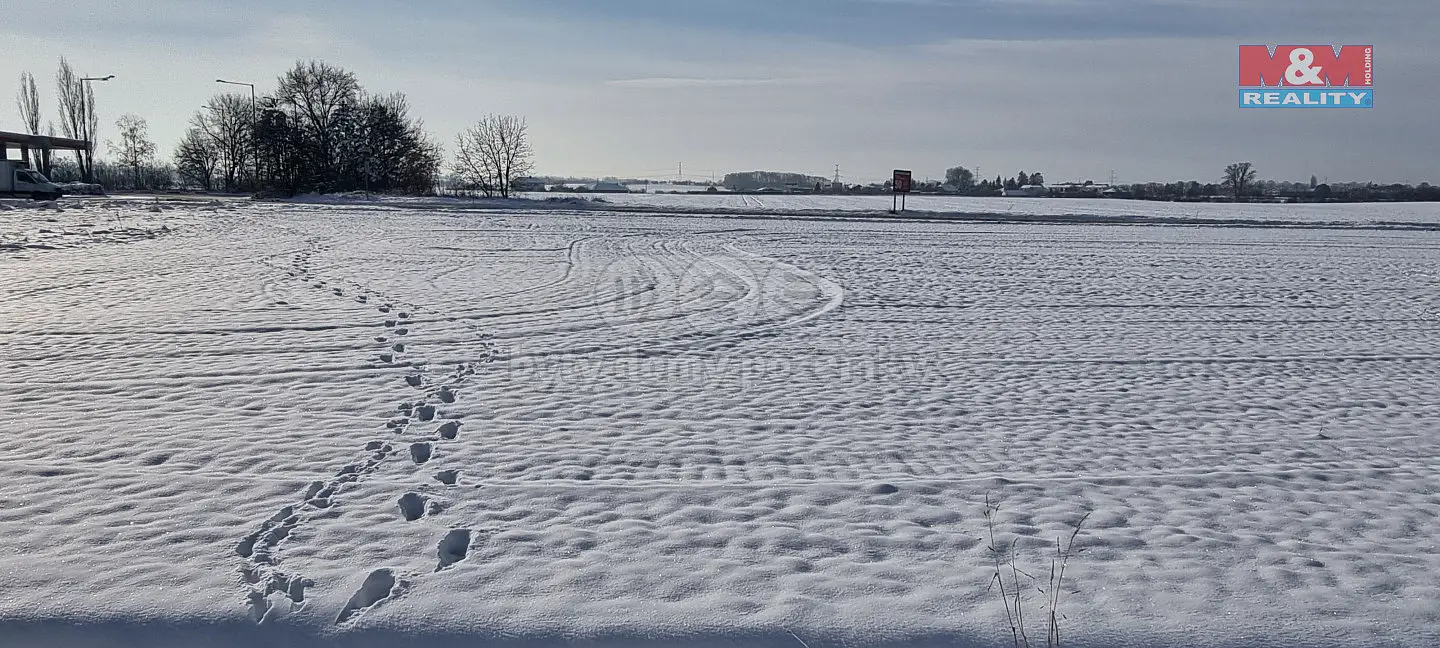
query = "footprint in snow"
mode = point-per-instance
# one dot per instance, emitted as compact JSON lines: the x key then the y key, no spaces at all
{"x":449,"y":430}
{"x":155,"y":459}
{"x":259,"y":605}
{"x":453,"y":548}
{"x":268,"y":533}
{"x":421,"y":452}
{"x":293,"y":587}
{"x":446,"y":395}
{"x":448,"y":477}
{"x":378,"y":587}
{"x":412,"y":506}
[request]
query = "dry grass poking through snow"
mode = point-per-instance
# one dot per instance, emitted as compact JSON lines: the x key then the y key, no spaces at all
{"x":1007,"y":560}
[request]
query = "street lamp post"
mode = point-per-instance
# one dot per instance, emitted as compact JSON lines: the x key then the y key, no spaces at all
{"x":88,"y":172}
{"x":254,"y":128}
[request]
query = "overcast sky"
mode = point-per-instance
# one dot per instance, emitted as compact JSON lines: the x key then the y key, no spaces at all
{"x":1072,"y":88}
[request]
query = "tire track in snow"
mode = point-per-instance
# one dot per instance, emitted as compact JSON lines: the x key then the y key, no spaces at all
{"x":675,"y":296}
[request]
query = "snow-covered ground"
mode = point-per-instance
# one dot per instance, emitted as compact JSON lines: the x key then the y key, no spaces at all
{"x":948,"y":208}
{"x":424,"y":423}
{"x":922,"y":205}
{"x":49,"y":225}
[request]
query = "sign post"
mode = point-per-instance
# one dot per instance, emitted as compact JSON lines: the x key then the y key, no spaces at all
{"x":899,"y":186}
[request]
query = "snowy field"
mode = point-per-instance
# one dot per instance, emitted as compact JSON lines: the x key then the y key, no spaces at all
{"x":426,"y":423}
{"x":1031,"y":208}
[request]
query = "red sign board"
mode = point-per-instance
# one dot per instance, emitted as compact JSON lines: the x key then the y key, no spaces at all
{"x":901,"y":183}
{"x":1307,"y":65}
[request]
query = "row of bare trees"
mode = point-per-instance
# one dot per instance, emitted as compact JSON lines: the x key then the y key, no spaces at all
{"x":77,"y":115}
{"x":217,"y":151}
{"x":319,"y":131}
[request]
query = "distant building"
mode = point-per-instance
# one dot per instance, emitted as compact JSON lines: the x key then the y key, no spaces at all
{"x":1085,"y":189}
{"x":607,"y":186}
{"x":1027,"y":191}
{"x":529,"y":184}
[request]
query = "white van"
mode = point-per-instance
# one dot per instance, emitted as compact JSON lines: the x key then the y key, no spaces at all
{"x":18,"y":179}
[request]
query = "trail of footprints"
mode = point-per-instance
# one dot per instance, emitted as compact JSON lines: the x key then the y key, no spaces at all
{"x":273,"y":591}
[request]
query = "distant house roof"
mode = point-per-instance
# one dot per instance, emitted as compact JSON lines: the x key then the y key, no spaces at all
{"x":1027,"y":190}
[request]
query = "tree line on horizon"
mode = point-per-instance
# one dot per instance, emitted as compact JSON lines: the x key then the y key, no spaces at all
{"x":318,"y":132}
{"x":959,"y":179}
{"x":1239,"y":182}
{"x":962,"y":180}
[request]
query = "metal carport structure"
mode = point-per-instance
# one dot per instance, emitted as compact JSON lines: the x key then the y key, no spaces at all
{"x":25,"y":143}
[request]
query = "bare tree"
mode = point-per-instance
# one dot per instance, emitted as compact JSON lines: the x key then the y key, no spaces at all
{"x":28,"y":101}
{"x":227,"y":122}
{"x":135,"y":148}
{"x":960,"y":177}
{"x":1238,"y":178}
{"x":385,"y":149}
{"x":493,"y":154}
{"x":318,"y":95}
{"x":77,"y":116}
{"x":197,"y":158}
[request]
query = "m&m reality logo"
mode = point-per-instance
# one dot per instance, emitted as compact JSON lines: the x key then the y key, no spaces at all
{"x":1307,"y":76}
